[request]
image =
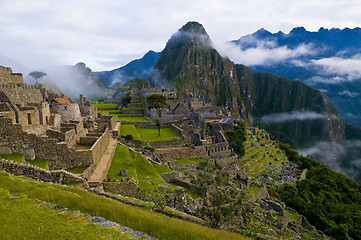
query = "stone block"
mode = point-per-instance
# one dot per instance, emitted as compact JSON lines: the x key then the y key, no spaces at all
{"x":123,"y":172}
{"x":5,"y":150}
{"x":29,"y":154}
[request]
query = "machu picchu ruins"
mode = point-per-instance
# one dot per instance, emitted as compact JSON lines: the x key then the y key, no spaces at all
{"x":116,"y":147}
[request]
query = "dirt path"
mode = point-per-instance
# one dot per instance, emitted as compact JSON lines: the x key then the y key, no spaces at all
{"x":103,"y":166}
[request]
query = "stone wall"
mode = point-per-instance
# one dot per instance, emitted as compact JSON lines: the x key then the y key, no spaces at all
{"x":55,"y":120}
{"x":60,"y":156}
{"x":166,"y":144}
{"x":67,"y":111}
{"x":88,"y":140}
{"x":123,"y":188}
{"x":29,"y":116}
{"x":7,"y":76}
{"x":100,"y":146}
{"x":26,"y":170}
{"x":106,"y":122}
{"x":22,"y":93}
{"x":69,"y":136}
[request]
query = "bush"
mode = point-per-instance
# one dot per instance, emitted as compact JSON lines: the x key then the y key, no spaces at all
{"x":149,"y":148}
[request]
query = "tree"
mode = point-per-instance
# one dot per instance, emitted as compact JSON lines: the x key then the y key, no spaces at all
{"x":37,"y":75}
{"x":157,"y":102}
{"x":157,"y":123}
{"x":126,"y":99}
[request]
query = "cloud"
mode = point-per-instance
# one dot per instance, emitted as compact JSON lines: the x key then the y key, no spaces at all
{"x":40,"y":32}
{"x":347,"y":69}
{"x":348,"y":93}
{"x":293,"y":116}
{"x":339,"y":157}
{"x":326,"y":152}
{"x":266,"y":53}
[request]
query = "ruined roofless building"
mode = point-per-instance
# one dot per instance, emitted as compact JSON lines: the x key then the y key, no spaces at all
{"x":20,"y":102}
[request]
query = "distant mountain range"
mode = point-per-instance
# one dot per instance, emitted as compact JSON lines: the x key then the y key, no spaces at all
{"x":139,"y":68}
{"x":329,"y":60}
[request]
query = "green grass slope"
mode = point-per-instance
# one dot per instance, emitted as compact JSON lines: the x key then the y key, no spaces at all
{"x":144,"y":220}
{"x":26,"y":218}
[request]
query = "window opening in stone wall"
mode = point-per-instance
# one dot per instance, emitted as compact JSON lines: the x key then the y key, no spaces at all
{"x":46,"y":120}
{"x":29,"y":118}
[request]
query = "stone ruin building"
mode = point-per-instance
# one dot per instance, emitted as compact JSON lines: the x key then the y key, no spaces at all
{"x":178,"y":110}
{"x":50,"y":129}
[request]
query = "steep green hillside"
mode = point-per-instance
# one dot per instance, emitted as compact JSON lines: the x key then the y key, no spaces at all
{"x":191,"y":65}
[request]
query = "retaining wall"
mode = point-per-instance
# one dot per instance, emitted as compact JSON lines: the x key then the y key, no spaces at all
{"x":26,"y":170}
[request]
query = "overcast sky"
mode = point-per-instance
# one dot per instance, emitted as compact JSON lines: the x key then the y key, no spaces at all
{"x":106,"y":34}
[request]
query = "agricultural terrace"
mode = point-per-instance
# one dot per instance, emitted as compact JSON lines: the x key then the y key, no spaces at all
{"x":148,"y":134}
{"x":138,"y":168}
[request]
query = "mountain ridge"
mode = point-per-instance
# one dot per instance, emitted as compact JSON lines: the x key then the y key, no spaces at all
{"x":138,"y":68}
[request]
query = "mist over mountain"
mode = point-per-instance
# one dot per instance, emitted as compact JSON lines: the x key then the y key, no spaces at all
{"x":328,"y":60}
{"x":139,"y":68}
{"x":76,"y":80}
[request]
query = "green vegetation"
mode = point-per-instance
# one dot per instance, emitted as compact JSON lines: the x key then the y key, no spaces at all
{"x":122,"y":160}
{"x":106,"y":106}
{"x":137,"y":167}
{"x":151,"y":134}
{"x":41,"y":163}
{"x":237,"y":136}
{"x":23,"y":218}
{"x":16,"y":157}
{"x":129,"y":119}
{"x":149,"y":148}
{"x":329,"y":200}
{"x":77,"y":170}
{"x":160,"y":168}
{"x":129,"y":129}
{"x":147,"y":134}
{"x":19,"y":158}
{"x":126,"y":99}
{"x":157,"y":102}
{"x":146,"y":173}
{"x":192,"y":160}
{"x":153,"y":224}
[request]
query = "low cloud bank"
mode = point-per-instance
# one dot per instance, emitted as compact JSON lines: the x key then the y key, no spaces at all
{"x":265,"y":53}
{"x":292,"y":116}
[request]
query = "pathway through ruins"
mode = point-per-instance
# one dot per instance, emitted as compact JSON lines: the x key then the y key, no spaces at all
{"x":103,"y":166}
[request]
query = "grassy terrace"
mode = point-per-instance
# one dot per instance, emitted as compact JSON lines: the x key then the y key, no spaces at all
{"x":106,"y":106}
{"x":151,"y":134}
{"x":192,"y":160}
{"x":147,"y":134}
{"x":122,"y":118}
{"x":24,"y":223}
{"x":161,"y":168}
{"x":19,"y":158}
{"x":137,"y":167}
{"x":24,"y":218}
{"x":129,"y":129}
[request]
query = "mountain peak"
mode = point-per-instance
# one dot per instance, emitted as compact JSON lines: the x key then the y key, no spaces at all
{"x":192,"y":31}
{"x":298,"y":30}
{"x":193,"y":27}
